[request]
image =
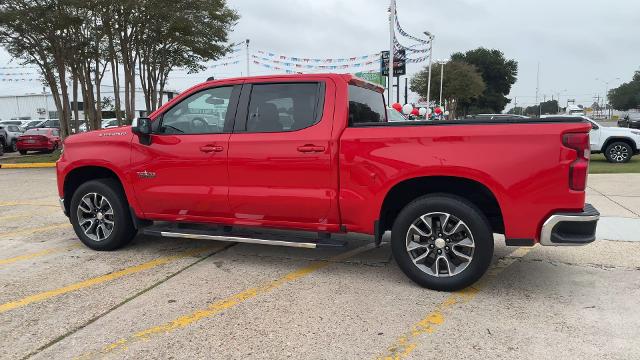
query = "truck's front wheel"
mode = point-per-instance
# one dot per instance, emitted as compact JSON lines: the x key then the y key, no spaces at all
{"x":442,"y":242}
{"x":100,"y":215}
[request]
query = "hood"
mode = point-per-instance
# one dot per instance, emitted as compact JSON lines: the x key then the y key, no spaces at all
{"x":626,"y":132}
{"x":122,"y":133}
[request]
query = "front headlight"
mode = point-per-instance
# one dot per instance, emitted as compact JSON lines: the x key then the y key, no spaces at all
{"x":636,"y":132}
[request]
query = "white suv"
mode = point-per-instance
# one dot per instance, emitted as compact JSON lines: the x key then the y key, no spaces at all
{"x":617,"y":144}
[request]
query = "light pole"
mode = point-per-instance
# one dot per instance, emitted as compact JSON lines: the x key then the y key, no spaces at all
{"x":430,"y":36}
{"x":392,"y":47}
{"x":247,"y":48}
{"x":442,"y":63}
{"x":606,"y":94}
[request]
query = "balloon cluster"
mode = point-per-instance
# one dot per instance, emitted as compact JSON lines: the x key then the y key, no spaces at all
{"x":408,"y":109}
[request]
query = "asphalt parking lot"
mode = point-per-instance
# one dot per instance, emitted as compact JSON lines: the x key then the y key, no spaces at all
{"x":178,"y":299}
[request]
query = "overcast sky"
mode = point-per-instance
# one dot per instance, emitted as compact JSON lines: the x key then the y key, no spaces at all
{"x":574,"y":41}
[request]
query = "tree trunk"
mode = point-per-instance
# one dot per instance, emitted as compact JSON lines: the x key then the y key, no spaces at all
{"x":64,"y":116}
{"x":76,"y":120}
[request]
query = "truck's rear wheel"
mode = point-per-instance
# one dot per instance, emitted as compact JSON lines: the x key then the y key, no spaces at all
{"x":442,"y":242}
{"x":618,"y":152}
{"x":100,"y":215}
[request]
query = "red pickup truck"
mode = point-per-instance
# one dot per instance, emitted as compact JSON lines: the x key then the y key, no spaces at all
{"x":315,"y":153}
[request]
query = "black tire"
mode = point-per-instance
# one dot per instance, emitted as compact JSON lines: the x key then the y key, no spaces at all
{"x":122,"y":231}
{"x":618,"y":152}
{"x":459,"y":208}
{"x":14,"y":145}
{"x":23,"y":152}
{"x":55,"y":147}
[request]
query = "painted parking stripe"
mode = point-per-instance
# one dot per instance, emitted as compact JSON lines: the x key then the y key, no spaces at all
{"x":38,"y":254}
{"x":30,"y":231}
{"x":30,"y":203}
{"x":224,"y":304}
{"x":404,"y":345}
{"x":28,"y":165}
{"x":24,"y":215}
{"x":104,"y":278}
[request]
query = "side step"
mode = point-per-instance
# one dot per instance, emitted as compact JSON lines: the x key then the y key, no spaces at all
{"x":244,"y":235}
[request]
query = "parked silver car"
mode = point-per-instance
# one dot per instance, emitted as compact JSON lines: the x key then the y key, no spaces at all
{"x":11,"y":139}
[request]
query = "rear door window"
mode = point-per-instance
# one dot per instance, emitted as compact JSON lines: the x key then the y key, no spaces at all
{"x":365,"y":106}
{"x":284,"y":107}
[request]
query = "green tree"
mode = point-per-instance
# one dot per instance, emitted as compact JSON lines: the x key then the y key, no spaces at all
{"x":191,"y":32}
{"x":462,"y":84}
{"x":516,"y":110}
{"x":37,"y":33}
{"x":627,"y":95}
{"x":549,"y":107}
{"x":498,"y":73}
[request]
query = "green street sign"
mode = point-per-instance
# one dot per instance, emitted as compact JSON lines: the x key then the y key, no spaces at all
{"x":374,"y":77}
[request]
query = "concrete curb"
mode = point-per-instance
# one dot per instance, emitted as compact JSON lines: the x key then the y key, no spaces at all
{"x":28,"y":166}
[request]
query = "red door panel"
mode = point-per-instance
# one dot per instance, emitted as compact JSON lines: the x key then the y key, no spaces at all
{"x":283,"y":177}
{"x":178,"y":175}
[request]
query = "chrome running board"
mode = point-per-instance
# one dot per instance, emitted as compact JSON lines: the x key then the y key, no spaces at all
{"x":266,"y":238}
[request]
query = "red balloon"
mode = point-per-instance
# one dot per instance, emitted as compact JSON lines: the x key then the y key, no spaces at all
{"x":397,"y":106}
{"x":438,"y":111}
{"x":415,"y":112}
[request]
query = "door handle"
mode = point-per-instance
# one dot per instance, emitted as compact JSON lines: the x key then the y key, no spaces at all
{"x":310,"y":148}
{"x":211,"y":148}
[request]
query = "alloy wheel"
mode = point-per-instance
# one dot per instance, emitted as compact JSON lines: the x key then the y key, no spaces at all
{"x":619,"y":153}
{"x":95,"y":216}
{"x":440,"y":244}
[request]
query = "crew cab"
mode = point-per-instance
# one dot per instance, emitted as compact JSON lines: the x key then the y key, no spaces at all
{"x":316,"y":153}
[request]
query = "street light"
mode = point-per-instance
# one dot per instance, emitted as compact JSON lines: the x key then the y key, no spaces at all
{"x":442,"y":63}
{"x":431,"y":37}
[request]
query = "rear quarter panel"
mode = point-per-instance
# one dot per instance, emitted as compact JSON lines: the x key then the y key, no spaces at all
{"x":524,"y":165}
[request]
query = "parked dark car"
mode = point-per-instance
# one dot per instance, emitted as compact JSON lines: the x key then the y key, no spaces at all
{"x":631,"y":120}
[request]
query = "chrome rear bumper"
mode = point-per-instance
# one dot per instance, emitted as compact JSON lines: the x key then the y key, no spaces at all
{"x":570,"y":229}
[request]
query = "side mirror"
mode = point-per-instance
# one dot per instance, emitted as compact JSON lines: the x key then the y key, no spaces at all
{"x":142,"y":128}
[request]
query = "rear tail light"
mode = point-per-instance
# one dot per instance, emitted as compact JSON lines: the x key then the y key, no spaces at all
{"x":579,"y":168}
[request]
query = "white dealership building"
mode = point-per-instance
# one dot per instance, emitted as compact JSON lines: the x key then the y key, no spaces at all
{"x":42,"y":106}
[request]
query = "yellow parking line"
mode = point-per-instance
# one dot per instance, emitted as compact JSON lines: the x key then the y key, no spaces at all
{"x":34,"y":230}
{"x":28,"y":203}
{"x":37,"y":254}
{"x":24,"y":215}
{"x":28,"y":165}
{"x":15,"y":216}
{"x":102,"y":279}
{"x":224,"y":304}
{"x":404,"y":345}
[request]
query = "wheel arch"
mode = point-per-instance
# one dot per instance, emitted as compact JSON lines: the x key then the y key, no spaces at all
{"x":81,"y":174}
{"x":626,"y":140}
{"x":402,"y":193}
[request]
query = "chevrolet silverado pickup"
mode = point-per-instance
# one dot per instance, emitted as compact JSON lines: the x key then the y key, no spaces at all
{"x":315,"y":155}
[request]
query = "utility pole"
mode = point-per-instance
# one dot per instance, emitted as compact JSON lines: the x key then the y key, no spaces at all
{"x":441,"y":79}
{"x":248,"y":61}
{"x":537,"y":82}
{"x":392,"y":47}
{"x":406,"y":90}
{"x":430,"y":62}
